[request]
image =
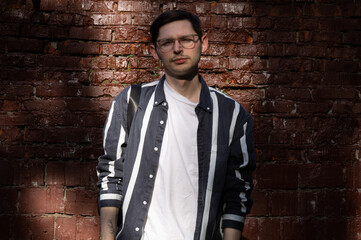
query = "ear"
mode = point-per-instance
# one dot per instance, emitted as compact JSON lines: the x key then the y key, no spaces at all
{"x":153,"y":51}
{"x":204,"y":43}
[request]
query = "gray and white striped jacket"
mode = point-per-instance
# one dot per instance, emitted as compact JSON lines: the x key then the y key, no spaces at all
{"x":226,"y":159}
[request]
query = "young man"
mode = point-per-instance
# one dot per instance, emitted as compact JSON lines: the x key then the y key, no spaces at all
{"x":184,"y":170}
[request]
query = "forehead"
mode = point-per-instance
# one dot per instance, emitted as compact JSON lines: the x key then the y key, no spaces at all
{"x":176,"y":29}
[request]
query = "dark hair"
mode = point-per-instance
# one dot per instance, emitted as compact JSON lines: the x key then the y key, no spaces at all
{"x":171,"y":16}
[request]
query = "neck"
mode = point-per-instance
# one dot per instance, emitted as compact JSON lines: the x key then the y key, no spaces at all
{"x":190,"y":88}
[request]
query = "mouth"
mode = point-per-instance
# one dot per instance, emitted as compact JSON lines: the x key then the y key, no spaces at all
{"x":179,"y":60}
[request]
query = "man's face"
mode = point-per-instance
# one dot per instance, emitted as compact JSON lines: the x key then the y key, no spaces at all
{"x":180,"y":62}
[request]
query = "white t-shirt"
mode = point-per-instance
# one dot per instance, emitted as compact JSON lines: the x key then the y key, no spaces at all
{"x":173,"y":209}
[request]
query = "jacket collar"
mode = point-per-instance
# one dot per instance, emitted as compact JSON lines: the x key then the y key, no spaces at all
{"x":205,"y":100}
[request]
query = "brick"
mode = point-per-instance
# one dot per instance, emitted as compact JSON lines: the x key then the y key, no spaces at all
{"x":34,"y":227}
{"x":269,"y":228}
{"x":313,"y":107}
{"x":125,"y":49}
{"x":261,"y":202}
{"x":250,"y":230}
{"x":87,"y":228}
{"x":244,"y":9}
{"x":353,"y":207}
{"x":90,"y":34}
{"x":83,"y":48}
{"x":334,"y":93}
{"x":55,"y":173}
{"x":254,"y":64}
{"x":50,"y":5}
{"x":112,"y":19}
{"x":226,"y":36}
{"x":271,"y":176}
{"x":247,"y":95}
{"x":41,"y":200}
{"x":135,"y":6}
{"x":57,"y":135}
{"x":57,"y":91}
{"x":9,"y":106}
{"x":275,"y":106}
{"x":81,"y":202}
{"x":288,"y":93}
{"x":274,"y":37}
{"x":10,"y":29}
{"x":325,"y":175}
{"x":24,"y":45}
{"x":132,"y":35}
{"x":331,"y":203}
{"x":284,"y":204}
{"x":77,"y":174}
{"x":65,"y":228}
{"x":8,"y":201}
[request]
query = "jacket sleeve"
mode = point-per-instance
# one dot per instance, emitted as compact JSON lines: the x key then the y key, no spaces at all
{"x":241,"y":163}
{"x":110,"y":164}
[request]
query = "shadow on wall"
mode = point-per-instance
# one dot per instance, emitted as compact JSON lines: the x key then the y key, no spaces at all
{"x":294,"y":66}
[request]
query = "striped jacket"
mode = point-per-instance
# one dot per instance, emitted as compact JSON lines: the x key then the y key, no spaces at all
{"x":226,"y":159}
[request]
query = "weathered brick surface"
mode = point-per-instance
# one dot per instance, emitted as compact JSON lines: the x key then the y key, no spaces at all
{"x":294,"y":65}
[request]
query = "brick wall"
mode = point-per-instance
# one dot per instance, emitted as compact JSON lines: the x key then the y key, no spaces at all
{"x":294,"y":64}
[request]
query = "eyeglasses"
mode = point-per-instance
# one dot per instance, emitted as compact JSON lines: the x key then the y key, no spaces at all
{"x":188,"y":41}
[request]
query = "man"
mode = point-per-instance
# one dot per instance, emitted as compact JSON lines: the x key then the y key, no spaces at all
{"x":184,"y":170}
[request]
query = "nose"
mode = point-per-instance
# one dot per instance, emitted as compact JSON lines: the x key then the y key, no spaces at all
{"x":177,"y":46}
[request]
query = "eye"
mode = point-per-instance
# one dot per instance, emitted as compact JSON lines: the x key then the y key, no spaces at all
{"x":186,"y":42}
{"x":166,"y":42}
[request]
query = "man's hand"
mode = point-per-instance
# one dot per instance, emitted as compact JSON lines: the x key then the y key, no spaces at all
{"x":231,"y":234}
{"x":108,"y":222}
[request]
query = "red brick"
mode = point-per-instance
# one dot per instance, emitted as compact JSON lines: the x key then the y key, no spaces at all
{"x":24,"y":45}
{"x":334,"y":93}
{"x":48,"y":5}
{"x":112,"y":19}
{"x":65,"y":228}
{"x":275,"y":106}
{"x":83,"y":48}
{"x":57,"y":91}
{"x":77,"y":174}
{"x":321,"y":175}
{"x":41,"y":200}
{"x":260,"y":203}
{"x":254,"y":64}
{"x":81,"y":202}
{"x":9,"y":106}
{"x":269,"y":228}
{"x":135,"y":6}
{"x":9,"y":29}
{"x":307,"y":203}
{"x":313,"y":107}
{"x":90,"y":34}
{"x":226,"y":36}
{"x":8,"y":201}
{"x":273,"y":176}
{"x":55,"y":173}
{"x":331,"y":203}
{"x":53,"y":105}
{"x":247,"y":95}
{"x":125,"y":49}
{"x":232,"y":8}
{"x":250,"y":230}
{"x":132,"y":35}
{"x":87,"y":228}
{"x":34,"y":227}
{"x":10,"y":134}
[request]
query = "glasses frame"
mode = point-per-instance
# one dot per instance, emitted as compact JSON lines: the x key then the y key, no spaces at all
{"x":178,"y":39}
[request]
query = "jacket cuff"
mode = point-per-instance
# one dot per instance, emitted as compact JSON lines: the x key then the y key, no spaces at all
{"x":233,"y":221}
{"x":110,"y":200}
